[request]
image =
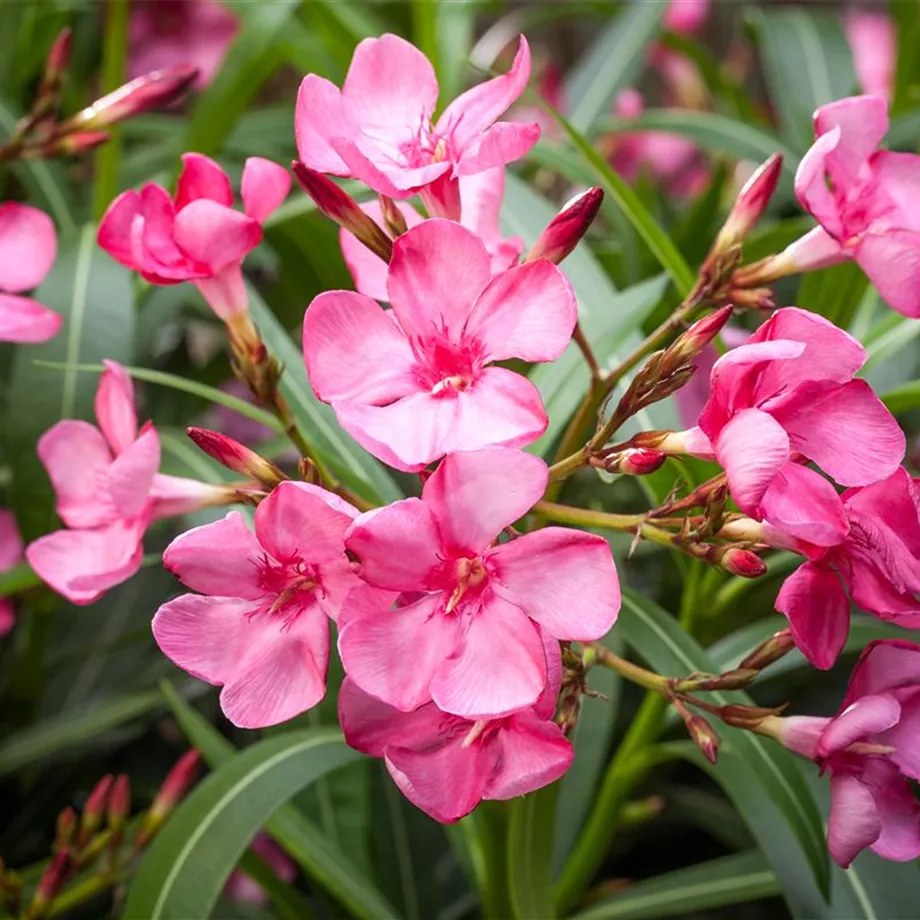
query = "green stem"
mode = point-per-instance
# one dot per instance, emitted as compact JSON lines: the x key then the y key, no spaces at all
{"x":632,"y":672}
{"x":82,"y":892}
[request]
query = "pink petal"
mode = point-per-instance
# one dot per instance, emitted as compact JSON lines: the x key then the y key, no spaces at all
{"x":114,"y":407}
{"x":862,"y":122}
{"x":437,"y":271}
{"x":367,"y":269}
{"x":321,"y":115}
{"x":370,"y":726}
{"x":904,"y":737}
{"x":804,"y":505}
{"x":847,"y":431}
{"x":215,"y":235}
{"x":528,"y":312}
{"x":897,"y":808}
{"x":854,"y":822}
{"x":445,"y":781}
{"x":375,"y":648}
{"x":221,"y":558}
{"x":811,"y":184}
{"x":27,"y":321}
{"x":500,"y":408}
{"x":499,"y":145}
{"x":891,"y":259}
{"x":390,"y":88}
{"x":534,"y":753}
{"x":474,"y":496}
{"x":201,"y":177}
{"x":11,"y":547}
{"x":752,"y":448}
{"x":543,"y":571}
{"x":205,"y":636}
{"x":294,"y":522}
{"x":374,"y":165}
{"x":28,"y":246}
{"x":225,"y":291}
{"x":398,"y":546}
{"x":802,"y":734}
{"x":498,"y":666}
{"x":115,"y":228}
{"x":546,"y":704}
{"x":77,"y":460}
{"x":407,"y":434}
{"x":131,"y":474}
{"x":153,"y":239}
{"x":473,"y":112}
{"x":866,"y":717}
{"x":816,"y":606}
{"x":172,"y":496}
{"x":873,"y":41}
{"x":895,"y":181}
{"x":355,"y":352}
{"x":481,"y":198}
{"x":884,"y":666}
{"x":282,"y":672}
{"x":264,"y":187}
{"x":870,"y":583}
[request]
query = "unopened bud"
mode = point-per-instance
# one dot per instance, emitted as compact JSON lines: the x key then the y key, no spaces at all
{"x":690,"y":343}
{"x":340,"y":207}
{"x":236,"y":456}
{"x":737,"y":679}
{"x":704,"y":736}
{"x":75,"y":144}
{"x":66,"y":825}
{"x":766,"y":653}
{"x":393,"y":219}
{"x":50,"y":884}
{"x":94,"y":809}
{"x":747,"y":717}
{"x":743,"y":562}
{"x":750,"y":204}
{"x":635,"y":461}
{"x":157,"y":88}
{"x":178,"y":781}
{"x":59,"y":54}
{"x":119,"y":802}
{"x":760,"y":298}
{"x":565,"y":230}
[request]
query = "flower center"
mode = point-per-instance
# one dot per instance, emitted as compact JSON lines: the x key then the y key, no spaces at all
{"x":469,"y":574}
{"x":288,"y":585}
{"x":445,"y":367}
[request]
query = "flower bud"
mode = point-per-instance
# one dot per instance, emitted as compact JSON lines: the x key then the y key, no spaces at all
{"x":339,"y":206}
{"x":393,"y":219}
{"x":75,"y":144}
{"x":743,"y":562}
{"x":750,"y":204}
{"x":236,"y":456}
{"x":815,"y":250}
{"x":119,"y":802}
{"x":177,"y":783}
{"x":50,"y":884}
{"x":704,"y":736}
{"x":778,"y":645}
{"x":66,"y":825}
{"x":159,"y":87}
{"x":94,"y":809}
{"x":690,"y":343}
{"x":750,"y":718}
{"x":565,"y":230}
{"x":55,"y":67}
{"x":635,"y":461}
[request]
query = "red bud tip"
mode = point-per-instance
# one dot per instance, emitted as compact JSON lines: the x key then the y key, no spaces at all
{"x":50,"y":883}
{"x":566,"y":229}
{"x":178,"y":781}
{"x":703,"y":735}
{"x":119,"y":801}
{"x":236,"y":456}
{"x":59,"y":54}
{"x":635,"y":461}
{"x":690,"y":343}
{"x":743,"y":562}
{"x":750,"y":204}
{"x":78,"y":143}
{"x":394,"y":220}
{"x":96,"y":800}
{"x":340,"y":207}
{"x":66,"y":825}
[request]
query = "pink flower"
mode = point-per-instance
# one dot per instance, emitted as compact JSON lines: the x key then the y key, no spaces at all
{"x":197,"y":236}
{"x":11,"y":555}
{"x":480,"y":204}
{"x":167,"y":32}
{"x":475,"y":636}
{"x":874,"y":43}
{"x":240,"y":887}
{"x":877,"y":561}
{"x":413,"y":384}
{"x":28,"y":247}
{"x":866,"y":201}
{"x":258,"y":626}
{"x":686,"y":17}
{"x":870,"y":750}
{"x":378,"y":127}
{"x":108,"y":490}
{"x":786,"y":395}
{"x":445,"y":764}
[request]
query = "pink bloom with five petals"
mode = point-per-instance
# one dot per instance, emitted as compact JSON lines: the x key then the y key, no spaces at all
{"x":11,"y":554}
{"x":446,"y":765}
{"x":474,"y":640}
{"x":258,"y":628}
{"x":108,"y":490}
{"x":415,"y":383}
{"x":28,"y":246}
{"x":870,"y":749}
{"x":378,"y":127}
{"x":197,"y":236}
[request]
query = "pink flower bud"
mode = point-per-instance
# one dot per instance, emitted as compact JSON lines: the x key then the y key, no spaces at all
{"x":50,"y":883}
{"x":704,"y":736}
{"x":689,"y":344}
{"x":565,"y":230}
{"x":178,"y":781}
{"x":767,"y":652}
{"x":94,"y":809}
{"x":394,"y":219}
{"x":339,"y":206}
{"x":750,"y":204}
{"x":66,"y":825}
{"x":57,"y":60}
{"x":635,"y":461}
{"x":236,"y":456}
{"x":743,"y":562}
{"x":119,"y":802}
{"x":77,"y":143}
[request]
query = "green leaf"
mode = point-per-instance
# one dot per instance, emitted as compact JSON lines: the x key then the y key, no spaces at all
{"x":253,"y":57}
{"x":357,"y":469}
{"x":902,"y":135}
{"x":612,"y":62}
{"x":657,"y":637}
{"x":94,"y":295}
{"x":907,"y":72}
{"x":323,"y":862}
{"x":807,"y":63}
{"x":530,"y":854}
{"x":904,"y":398}
{"x":185,"y":869}
{"x":834,"y":292}
{"x":738,"y":879}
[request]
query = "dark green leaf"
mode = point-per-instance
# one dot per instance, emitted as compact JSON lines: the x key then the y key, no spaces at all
{"x":904,"y":398}
{"x":834,"y":292}
{"x":530,"y":854}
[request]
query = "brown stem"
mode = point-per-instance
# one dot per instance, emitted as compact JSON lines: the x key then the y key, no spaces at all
{"x":590,"y":358}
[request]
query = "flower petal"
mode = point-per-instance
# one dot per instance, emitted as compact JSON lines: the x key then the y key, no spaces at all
{"x":11,"y":547}
{"x":321,"y":115}
{"x":114,"y":407}
{"x":355,"y":352}
{"x":804,"y":505}
{"x":867,"y":716}
{"x":132,"y":472}
{"x":498,"y":667}
{"x":115,"y":228}
{"x":497,"y":146}
{"x":854,"y":822}
{"x":862,"y":123}
{"x":897,"y":808}
{"x":475,"y":495}
{"x":28,"y":246}
{"x":27,"y":321}
{"x":811,"y":184}
{"x":891,"y":259}
{"x":201,"y":177}
{"x":885,"y":666}
{"x":264,"y":187}
{"x":215,"y":235}
{"x":543,"y":571}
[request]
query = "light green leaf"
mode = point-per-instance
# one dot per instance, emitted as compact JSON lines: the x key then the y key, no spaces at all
{"x":738,"y":879}
{"x":185,"y":869}
{"x":904,"y":398}
{"x":530,"y":854}
{"x":612,"y":62}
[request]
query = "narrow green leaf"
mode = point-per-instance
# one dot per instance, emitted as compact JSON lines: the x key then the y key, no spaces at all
{"x":738,"y":879}
{"x":353,"y":465}
{"x":185,"y":869}
{"x":904,"y":398}
{"x":530,"y":854}
{"x":904,"y":130}
{"x":834,"y":292}
{"x":907,"y":71}
{"x":455,"y":28}
{"x":612,"y":62}
{"x":17,"y":579}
